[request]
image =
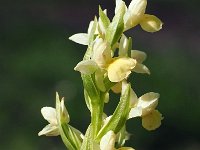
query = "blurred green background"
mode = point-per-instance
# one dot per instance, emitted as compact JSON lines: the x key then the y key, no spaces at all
{"x":37,"y":59}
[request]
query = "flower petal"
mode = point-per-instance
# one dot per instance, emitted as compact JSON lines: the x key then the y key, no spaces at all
{"x":138,"y":55}
{"x":151,"y":23}
{"x":108,"y":141}
{"x":135,"y":112}
{"x":101,"y":52}
{"x":140,"y":68}
{"x":80,"y":38}
{"x":86,"y":67}
{"x":49,"y":130}
{"x":120,"y":69}
{"x":152,"y":120}
{"x":123,"y":46}
{"x":119,"y":5}
{"x":133,"y":98}
{"x":49,"y":114}
{"x":148,"y":102}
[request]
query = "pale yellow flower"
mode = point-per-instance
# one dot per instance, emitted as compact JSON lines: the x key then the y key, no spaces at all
{"x":134,"y":13}
{"x":144,"y":107}
{"x":50,"y":115}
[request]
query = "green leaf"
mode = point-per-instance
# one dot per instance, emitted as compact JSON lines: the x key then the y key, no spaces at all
{"x":91,"y":88}
{"x":119,"y":117}
{"x":116,"y":27}
{"x":87,"y":100}
{"x":96,"y":103}
{"x":71,"y":134}
{"x":104,"y":18}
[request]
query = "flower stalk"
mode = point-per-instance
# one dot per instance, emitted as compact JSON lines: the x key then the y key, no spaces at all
{"x":106,"y":66}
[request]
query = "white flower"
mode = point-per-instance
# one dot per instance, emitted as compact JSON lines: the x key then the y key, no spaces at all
{"x":50,"y":115}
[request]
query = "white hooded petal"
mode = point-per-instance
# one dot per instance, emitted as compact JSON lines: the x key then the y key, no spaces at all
{"x":49,"y":114}
{"x":120,"y":69}
{"x":148,"y":102}
{"x":152,"y":120}
{"x":49,"y":130}
{"x":80,"y":38}
{"x":135,"y":112}
{"x":86,"y":67}
{"x":101,"y":52}
{"x":108,"y":141}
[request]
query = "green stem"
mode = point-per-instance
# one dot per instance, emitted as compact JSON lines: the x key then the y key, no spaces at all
{"x":96,"y":116}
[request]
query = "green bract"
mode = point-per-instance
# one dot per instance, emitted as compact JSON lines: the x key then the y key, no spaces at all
{"x":106,"y":66}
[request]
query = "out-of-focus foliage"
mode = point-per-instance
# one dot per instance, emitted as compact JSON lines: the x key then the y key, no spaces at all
{"x":37,"y":59}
